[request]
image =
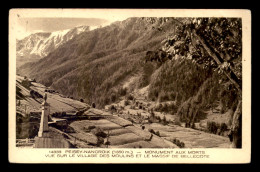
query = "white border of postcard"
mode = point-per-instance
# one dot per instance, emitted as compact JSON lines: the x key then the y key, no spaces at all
{"x":214,"y":155}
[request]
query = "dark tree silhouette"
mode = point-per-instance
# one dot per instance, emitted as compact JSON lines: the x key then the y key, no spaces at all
{"x":215,"y":44}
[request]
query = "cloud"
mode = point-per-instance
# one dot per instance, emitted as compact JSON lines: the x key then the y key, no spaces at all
{"x":21,"y":32}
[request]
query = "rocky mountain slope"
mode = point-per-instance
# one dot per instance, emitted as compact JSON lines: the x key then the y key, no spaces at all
{"x":38,"y":45}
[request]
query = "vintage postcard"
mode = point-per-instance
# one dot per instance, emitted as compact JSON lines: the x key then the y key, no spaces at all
{"x":129,"y":86}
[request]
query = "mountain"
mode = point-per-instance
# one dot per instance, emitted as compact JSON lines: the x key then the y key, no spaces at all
{"x":38,"y":45}
{"x":107,"y":63}
{"x":100,"y":59}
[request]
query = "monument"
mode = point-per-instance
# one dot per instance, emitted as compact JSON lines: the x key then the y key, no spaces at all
{"x":46,"y":138}
{"x":44,"y":129}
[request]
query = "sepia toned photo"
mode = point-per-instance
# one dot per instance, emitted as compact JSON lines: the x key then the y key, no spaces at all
{"x":172,"y":86}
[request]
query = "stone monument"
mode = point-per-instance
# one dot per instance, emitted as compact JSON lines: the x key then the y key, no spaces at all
{"x":44,"y":129}
{"x":47,"y":138}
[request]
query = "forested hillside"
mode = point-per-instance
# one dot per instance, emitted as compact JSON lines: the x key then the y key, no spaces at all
{"x":94,"y":64}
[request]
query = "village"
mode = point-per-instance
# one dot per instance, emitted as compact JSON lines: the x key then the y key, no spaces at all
{"x":63,"y":122}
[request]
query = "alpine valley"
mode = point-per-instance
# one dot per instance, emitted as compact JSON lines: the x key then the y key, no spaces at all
{"x":108,"y":67}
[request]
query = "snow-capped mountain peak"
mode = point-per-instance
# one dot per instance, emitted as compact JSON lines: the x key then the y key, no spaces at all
{"x":40,"y":44}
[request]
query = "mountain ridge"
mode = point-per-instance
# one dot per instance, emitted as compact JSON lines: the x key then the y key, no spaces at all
{"x":39,"y":45}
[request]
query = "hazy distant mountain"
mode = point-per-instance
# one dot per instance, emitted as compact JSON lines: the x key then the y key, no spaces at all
{"x":38,"y":45}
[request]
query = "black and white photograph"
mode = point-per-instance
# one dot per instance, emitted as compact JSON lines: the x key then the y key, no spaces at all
{"x":135,"y":82}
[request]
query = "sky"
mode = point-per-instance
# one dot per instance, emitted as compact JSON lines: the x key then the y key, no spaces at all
{"x":27,"y":26}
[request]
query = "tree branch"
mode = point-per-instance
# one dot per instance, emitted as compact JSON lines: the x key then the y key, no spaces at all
{"x":229,"y":73}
